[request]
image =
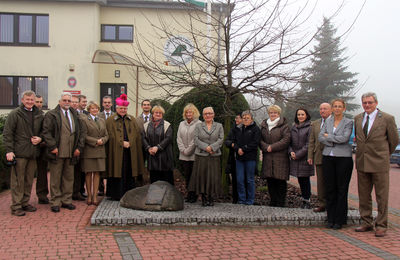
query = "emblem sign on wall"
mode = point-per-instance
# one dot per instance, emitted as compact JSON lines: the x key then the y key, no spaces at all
{"x":178,"y":50}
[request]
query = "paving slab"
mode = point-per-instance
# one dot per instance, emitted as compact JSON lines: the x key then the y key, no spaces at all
{"x":110,"y":213}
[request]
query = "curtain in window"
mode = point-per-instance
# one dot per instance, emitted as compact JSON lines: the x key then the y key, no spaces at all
{"x":42,"y":29}
{"x":6,"y":28}
{"x":23,"y":85}
{"x":41,"y":88}
{"x":109,"y":32}
{"x":6,"y":91}
{"x":125,"y":33}
{"x":25,"y":28}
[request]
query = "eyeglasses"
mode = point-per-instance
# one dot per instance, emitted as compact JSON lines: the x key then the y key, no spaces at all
{"x":66,"y":100}
{"x":368,"y":102}
{"x":208,"y":114}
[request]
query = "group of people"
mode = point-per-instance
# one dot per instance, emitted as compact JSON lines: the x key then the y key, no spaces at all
{"x":69,"y":141}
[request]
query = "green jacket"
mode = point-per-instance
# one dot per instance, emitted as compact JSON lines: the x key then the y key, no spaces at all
{"x":52,"y":129}
{"x":18,"y":131}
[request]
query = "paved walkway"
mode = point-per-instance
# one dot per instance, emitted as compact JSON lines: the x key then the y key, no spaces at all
{"x":69,"y":235}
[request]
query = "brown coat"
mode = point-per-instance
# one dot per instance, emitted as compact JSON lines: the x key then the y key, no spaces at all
{"x":276,"y":163}
{"x":114,"y":148}
{"x":314,"y":146}
{"x":373,"y":152}
{"x":94,"y":132}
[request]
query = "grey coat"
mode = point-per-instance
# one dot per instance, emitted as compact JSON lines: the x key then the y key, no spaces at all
{"x":185,"y":139}
{"x":204,"y":138}
{"x":337,"y":142}
{"x":276,"y":163}
{"x":299,"y":145}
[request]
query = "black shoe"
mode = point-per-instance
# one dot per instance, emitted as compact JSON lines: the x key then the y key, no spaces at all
{"x":329,"y":225}
{"x":84,"y":195}
{"x":55,"y":209}
{"x":68,"y":206}
{"x":78,"y":197}
{"x":203,"y":200}
{"x":43,"y":201}
{"x":210,"y":202}
{"x":29,"y":208}
{"x":18,"y":212}
{"x":100,"y":193}
{"x":337,"y":226}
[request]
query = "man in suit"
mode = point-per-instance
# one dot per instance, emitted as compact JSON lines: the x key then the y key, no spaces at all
{"x":42,"y":189}
{"x":145,"y":116}
{"x":82,"y":102}
{"x":315,"y":153}
{"x":376,"y":137}
{"x":21,"y":139}
{"x":63,"y":136}
{"x":107,"y":104}
{"x":105,"y":114}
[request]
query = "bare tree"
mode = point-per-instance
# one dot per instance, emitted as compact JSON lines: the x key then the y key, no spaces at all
{"x":254,"y":47}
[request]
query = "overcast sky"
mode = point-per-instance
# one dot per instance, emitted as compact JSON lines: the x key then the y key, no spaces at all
{"x":373,"y":45}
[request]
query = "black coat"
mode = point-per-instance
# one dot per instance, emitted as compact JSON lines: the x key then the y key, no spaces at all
{"x":248,"y":139}
{"x":299,"y":145}
{"x":230,"y":139}
{"x":163,"y":159}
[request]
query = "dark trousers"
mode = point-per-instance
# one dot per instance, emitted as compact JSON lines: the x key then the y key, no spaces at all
{"x":167,"y":176}
{"x":337,"y":174}
{"x":78,"y":180}
{"x":305,"y":187}
{"x":42,"y":185}
{"x":277,"y":191}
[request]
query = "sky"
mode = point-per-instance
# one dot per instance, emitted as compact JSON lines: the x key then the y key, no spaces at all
{"x":373,"y":45}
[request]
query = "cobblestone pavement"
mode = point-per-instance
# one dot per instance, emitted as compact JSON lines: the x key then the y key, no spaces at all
{"x":69,"y":235}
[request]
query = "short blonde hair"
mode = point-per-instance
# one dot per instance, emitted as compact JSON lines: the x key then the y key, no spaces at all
{"x":274,"y":108}
{"x":91,"y":104}
{"x":338,"y":100}
{"x":158,"y":108}
{"x":190,"y":106}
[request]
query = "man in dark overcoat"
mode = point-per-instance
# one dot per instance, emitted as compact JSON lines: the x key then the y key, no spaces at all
{"x":21,"y":138}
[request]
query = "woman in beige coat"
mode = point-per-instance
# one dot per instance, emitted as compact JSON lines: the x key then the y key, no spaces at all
{"x":185,"y":140}
{"x":94,"y":153}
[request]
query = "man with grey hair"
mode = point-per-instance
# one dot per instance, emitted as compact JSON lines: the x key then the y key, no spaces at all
{"x":315,"y":153}
{"x":376,"y":137}
{"x":63,"y":136}
{"x":21,"y":138}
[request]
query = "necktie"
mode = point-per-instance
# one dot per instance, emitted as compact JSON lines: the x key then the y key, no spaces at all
{"x":146,"y":118}
{"x":365,"y":128}
{"x":107,"y":114}
{"x":67,"y":117}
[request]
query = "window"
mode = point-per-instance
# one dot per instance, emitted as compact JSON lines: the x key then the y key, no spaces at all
{"x":24,"y":29}
{"x":116,"y":33}
{"x":12,"y":87}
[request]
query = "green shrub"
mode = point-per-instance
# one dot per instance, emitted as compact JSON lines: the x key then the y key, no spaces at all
{"x":4,"y":170}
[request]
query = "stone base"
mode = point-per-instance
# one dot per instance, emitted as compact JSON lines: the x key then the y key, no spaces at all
{"x":109,"y":213}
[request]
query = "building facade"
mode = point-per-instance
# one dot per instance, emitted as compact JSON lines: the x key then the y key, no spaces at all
{"x":78,"y":46}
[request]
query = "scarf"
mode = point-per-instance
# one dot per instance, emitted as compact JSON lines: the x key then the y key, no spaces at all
{"x":272,"y":124}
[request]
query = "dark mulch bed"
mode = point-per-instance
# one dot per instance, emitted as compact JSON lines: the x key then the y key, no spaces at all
{"x":293,"y":196}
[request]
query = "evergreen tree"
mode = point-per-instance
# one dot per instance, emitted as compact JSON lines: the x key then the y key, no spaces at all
{"x":327,"y":77}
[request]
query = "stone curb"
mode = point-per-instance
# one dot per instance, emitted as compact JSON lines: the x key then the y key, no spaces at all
{"x":109,"y":213}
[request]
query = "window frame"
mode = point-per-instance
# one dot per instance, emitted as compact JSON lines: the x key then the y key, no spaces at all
{"x":15,"y":89}
{"x":16,"y":30}
{"x":117,"y":26}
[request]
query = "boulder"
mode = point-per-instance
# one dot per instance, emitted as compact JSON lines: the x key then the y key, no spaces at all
{"x":158,"y":196}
